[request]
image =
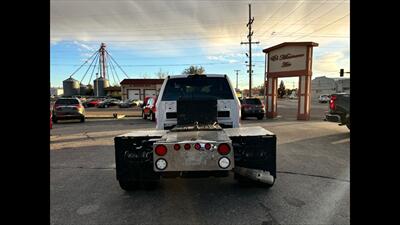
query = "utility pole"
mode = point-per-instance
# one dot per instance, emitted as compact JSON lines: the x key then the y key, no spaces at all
{"x":250,"y":71}
{"x":237,"y":76}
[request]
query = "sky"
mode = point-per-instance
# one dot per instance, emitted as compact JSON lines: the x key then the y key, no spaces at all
{"x":148,"y":36}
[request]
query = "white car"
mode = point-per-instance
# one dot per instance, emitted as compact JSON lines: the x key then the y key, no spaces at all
{"x":324,"y":98}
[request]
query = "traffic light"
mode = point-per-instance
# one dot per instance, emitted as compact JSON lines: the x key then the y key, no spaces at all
{"x":341,"y":72}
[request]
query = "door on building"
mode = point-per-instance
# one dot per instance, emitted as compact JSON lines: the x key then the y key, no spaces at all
{"x":134,"y":94}
{"x":150,"y":93}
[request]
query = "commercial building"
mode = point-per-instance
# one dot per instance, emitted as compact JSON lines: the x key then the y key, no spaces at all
{"x":326,"y":85}
{"x":140,"y":88}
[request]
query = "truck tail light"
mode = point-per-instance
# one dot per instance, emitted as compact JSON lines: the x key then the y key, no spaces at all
{"x":186,"y":146}
{"x":161,"y":150}
{"x":207,"y":146}
{"x":224,"y":149}
{"x":197,"y":146}
{"x":161,"y":164}
{"x":177,"y":147}
{"x":332,"y":103}
{"x":224,"y":162}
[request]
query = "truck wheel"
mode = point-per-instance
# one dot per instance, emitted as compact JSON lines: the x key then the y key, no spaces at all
{"x":150,"y":185}
{"x":129,"y":185}
{"x":144,"y":115}
{"x":82,"y":119}
{"x":152,"y":117}
{"x":244,"y":181}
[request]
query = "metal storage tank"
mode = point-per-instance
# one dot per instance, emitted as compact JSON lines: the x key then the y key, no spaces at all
{"x":71,"y":87}
{"x":102,"y":83}
{"x":83,"y":89}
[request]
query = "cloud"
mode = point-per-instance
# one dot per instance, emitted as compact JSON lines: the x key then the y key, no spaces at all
{"x":331,"y":63}
{"x":83,"y":46}
{"x":178,"y":28}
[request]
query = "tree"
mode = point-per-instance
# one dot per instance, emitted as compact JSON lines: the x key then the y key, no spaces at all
{"x":194,"y":70}
{"x":161,"y":74}
{"x":281,"y":89}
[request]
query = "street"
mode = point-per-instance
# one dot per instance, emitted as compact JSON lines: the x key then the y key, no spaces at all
{"x":312,"y":185}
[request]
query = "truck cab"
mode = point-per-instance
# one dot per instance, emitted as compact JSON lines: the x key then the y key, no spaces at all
{"x":197,"y":86}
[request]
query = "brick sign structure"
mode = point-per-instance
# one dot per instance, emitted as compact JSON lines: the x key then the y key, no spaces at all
{"x":289,"y":59}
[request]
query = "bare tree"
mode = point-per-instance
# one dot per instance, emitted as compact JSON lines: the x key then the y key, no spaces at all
{"x":161,"y":74}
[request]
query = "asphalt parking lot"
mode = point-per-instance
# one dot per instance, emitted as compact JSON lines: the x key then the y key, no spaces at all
{"x":312,"y":186}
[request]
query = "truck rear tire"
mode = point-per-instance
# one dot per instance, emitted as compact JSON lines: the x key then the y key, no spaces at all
{"x":129,"y":185}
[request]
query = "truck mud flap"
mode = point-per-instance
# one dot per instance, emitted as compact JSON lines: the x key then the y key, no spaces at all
{"x":255,"y":152}
{"x":134,"y":159}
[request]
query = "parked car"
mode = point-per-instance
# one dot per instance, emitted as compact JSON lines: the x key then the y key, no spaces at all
{"x":149,"y":110}
{"x":109,"y":103}
{"x":324,"y":98}
{"x":126,"y":104}
{"x":131,"y":102}
{"x":94,"y":102}
{"x":68,"y":108}
{"x":252,"y":107}
{"x":339,"y":109}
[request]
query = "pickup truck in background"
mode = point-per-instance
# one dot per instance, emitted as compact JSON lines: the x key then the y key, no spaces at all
{"x":339,"y":109}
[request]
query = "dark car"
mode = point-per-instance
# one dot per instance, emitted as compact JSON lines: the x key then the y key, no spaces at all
{"x":149,"y":110}
{"x":68,"y":109}
{"x":252,"y":107}
{"x":109,"y":103}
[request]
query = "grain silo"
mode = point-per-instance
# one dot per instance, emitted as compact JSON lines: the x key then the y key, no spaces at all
{"x":83,"y":89}
{"x":71,"y":87}
{"x":99,"y":85}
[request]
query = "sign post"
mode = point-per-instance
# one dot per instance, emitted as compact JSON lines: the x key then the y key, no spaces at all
{"x":289,"y":59}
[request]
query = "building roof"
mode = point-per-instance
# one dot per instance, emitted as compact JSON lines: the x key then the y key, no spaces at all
{"x":142,"y":81}
{"x":313,"y":44}
{"x":112,"y":89}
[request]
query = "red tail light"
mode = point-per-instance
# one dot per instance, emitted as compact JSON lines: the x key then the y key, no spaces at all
{"x":187,"y":146}
{"x":332,"y":103}
{"x":177,"y":147}
{"x":207,"y":146}
{"x":197,"y":146}
{"x":224,"y":149}
{"x":161,"y":150}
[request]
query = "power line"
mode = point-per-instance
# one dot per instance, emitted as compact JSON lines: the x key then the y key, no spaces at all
{"x":324,"y":26}
{"x":297,"y":7}
{"x":324,"y":14}
{"x":89,"y":68}
{"x":83,"y":64}
{"x":117,"y":64}
{"x":95,"y":64}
